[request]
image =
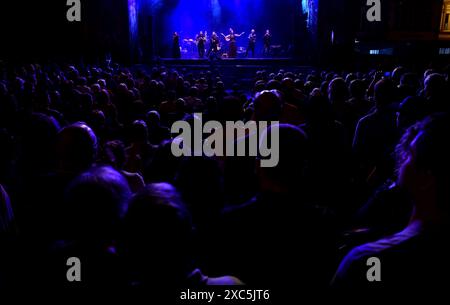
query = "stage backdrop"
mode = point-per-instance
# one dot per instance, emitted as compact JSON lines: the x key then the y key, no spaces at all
{"x":285,"y":18}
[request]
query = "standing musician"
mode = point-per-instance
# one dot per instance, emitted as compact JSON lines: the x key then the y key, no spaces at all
{"x":176,"y":45}
{"x":267,"y":39}
{"x":201,"y":38}
{"x":214,"y":46}
{"x":251,"y":43}
{"x":231,"y":38}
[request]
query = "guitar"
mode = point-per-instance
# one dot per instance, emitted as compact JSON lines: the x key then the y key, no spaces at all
{"x":228,"y":37}
{"x":199,"y":39}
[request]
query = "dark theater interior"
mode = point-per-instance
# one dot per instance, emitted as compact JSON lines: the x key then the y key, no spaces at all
{"x":226,"y":151}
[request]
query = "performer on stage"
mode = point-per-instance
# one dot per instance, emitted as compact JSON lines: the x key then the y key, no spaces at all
{"x":251,"y":43}
{"x":214,"y":46}
{"x":231,"y":38}
{"x":176,"y":46}
{"x":201,"y":38}
{"x":267,"y":39}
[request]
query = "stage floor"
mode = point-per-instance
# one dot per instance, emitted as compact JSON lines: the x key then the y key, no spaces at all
{"x":245,"y":68}
{"x":272,"y":64}
{"x":229,"y":61}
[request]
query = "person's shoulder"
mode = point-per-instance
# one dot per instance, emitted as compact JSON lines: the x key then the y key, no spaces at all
{"x":369,"y":117}
{"x":197,"y":278}
{"x":368,"y":120}
{"x":385,"y":245}
{"x":235,"y":210}
{"x":132,"y":176}
{"x":224,"y":281}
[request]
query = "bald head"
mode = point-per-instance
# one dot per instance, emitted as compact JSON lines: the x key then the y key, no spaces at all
{"x":267,"y":106}
{"x":76,"y":148}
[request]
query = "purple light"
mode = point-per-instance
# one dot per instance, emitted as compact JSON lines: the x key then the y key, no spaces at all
{"x":132,"y":15}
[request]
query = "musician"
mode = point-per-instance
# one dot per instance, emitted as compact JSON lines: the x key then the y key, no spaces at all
{"x":214,"y":46}
{"x":201,"y":38}
{"x":267,"y":39}
{"x":231,"y":38}
{"x":176,"y":45}
{"x":251,"y":43}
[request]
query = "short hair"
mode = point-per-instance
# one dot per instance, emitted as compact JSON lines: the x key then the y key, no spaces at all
{"x":411,"y":110}
{"x":157,"y":211}
{"x":268,"y":105}
{"x":357,"y":88}
{"x":157,"y":234}
{"x":338,"y":90}
{"x":95,"y":203}
{"x":435,"y":82}
{"x":139,"y":131}
{"x":77,"y":146}
{"x":293,"y":154}
{"x":153,"y":116}
{"x":384,"y":92}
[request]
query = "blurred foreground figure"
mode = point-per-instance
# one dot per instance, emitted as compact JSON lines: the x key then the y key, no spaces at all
{"x":416,"y":257}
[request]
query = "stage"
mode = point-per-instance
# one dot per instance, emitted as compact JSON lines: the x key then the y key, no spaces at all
{"x":246,"y":68}
{"x":254,"y":64}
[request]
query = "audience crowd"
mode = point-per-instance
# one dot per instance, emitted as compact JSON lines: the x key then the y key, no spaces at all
{"x":86,"y":171}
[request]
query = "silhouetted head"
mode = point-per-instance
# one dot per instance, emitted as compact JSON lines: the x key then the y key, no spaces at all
{"x":39,"y":136}
{"x":318,"y":109}
{"x":139,"y":132}
{"x":180,"y":105}
{"x":337,"y":91}
{"x":424,"y":166}
{"x":397,"y":75}
{"x":357,"y":89}
{"x":199,"y":181}
{"x":410,"y":111}
{"x":157,"y":235}
{"x":384,"y":92}
{"x":434,"y":85}
{"x":260,"y":85}
{"x":288,"y":174}
{"x":95,"y":203}
{"x":410,"y":80}
{"x":274,"y":84}
{"x":267,"y":106}
{"x":153,"y":118}
{"x":76,"y":148}
{"x":436,"y":92}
